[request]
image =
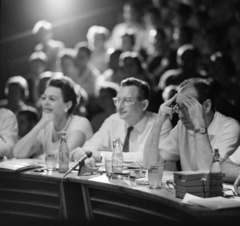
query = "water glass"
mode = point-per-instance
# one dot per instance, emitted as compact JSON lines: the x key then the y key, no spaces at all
{"x":155,"y":174}
{"x":51,"y":160}
{"x":108,"y":166}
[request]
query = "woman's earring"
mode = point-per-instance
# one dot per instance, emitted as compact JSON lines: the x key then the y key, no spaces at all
{"x":66,"y":110}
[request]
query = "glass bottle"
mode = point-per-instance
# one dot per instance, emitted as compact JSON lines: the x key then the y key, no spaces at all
{"x":63,"y":154}
{"x":215,"y":178}
{"x":117,"y":159}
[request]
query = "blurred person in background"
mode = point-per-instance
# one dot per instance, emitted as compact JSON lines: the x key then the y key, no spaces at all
{"x":27,"y":118}
{"x":161,"y":57}
{"x":113,"y":73}
{"x":97,"y":37}
{"x":16,"y":92}
{"x":222,"y":78}
{"x":133,"y":65}
{"x":131,"y":20}
{"x":66,"y":62}
{"x":37,"y":65}
{"x":128,"y":41}
{"x":44,"y":35}
{"x":182,"y":13}
{"x":187,"y":60}
{"x":58,"y":101}
{"x":105,"y":94}
{"x":87,"y":77}
{"x":8,"y":133}
{"x":151,"y":19}
{"x":87,"y":74}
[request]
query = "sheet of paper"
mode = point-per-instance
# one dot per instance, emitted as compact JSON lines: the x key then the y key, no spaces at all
{"x":216,"y":203}
{"x":188,"y":197}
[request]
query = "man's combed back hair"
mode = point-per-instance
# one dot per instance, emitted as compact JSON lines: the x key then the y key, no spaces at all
{"x":143,"y":87}
{"x":204,"y":89}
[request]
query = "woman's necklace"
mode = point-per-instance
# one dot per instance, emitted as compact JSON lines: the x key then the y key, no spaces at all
{"x":65,"y":127}
{"x":57,"y":134}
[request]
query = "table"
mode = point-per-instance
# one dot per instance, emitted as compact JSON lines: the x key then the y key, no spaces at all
{"x":46,"y":197}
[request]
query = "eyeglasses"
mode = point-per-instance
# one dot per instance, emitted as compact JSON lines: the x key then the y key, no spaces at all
{"x":176,"y":109}
{"x":126,"y":101}
{"x":170,"y":184}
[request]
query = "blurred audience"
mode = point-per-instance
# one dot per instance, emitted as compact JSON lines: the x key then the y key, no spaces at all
{"x":44,"y":34}
{"x":16,"y":92}
{"x":87,"y":75}
{"x":105,"y":94}
{"x":27,"y":118}
{"x":187,"y":60}
{"x":97,"y":37}
{"x":113,"y":73}
{"x":131,"y":20}
{"x":133,"y":65}
{"x":66,"y":62}
{"x":161,"y":57}
{"x":37,"y":65}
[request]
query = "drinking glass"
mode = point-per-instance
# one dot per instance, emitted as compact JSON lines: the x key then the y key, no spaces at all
{"x":51,"y":160}
{"x":155,"y":174}
{"x":108,"y":166}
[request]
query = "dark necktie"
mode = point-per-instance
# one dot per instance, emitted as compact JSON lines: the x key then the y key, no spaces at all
{"x":126,"y":141}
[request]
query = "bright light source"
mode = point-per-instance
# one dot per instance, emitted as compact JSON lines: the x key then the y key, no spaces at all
{"x":58,"y":7}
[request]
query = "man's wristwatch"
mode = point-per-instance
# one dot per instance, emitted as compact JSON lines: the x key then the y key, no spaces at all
{"x":201,"y":130}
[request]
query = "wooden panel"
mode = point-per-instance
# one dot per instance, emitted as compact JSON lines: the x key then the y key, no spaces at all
{"x":120,"y":205}
{"x":30,"y":197}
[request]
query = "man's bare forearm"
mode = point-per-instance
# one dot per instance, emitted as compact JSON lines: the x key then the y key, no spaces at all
{"x":151,"y":150}
{"x":230,"y":170}
{"x":204,"y":151}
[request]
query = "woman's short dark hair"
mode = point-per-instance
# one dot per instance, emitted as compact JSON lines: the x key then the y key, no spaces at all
{"x":68,"y":88}
{"x":204,"y":89}
{"x":143,"y":87}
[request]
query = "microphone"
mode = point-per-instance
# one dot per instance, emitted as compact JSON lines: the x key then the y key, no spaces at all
{"x":87,"y":154}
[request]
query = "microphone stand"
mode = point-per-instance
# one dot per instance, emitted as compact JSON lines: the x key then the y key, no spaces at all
{"x":83,"y":169}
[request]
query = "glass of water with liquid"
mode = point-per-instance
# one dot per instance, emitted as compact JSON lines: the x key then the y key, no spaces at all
{"x":51,"y":160}
{"x":155,"y":174}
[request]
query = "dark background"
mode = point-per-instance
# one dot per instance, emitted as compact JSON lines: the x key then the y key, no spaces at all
{"x":70,"y":19}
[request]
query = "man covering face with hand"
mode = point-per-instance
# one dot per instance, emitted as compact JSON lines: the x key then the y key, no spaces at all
{"x":199,"y":130}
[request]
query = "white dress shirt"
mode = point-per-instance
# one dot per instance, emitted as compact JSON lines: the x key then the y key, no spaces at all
{"x":114,"y":127}
{"x":235,"y":157}
{"x":8,"y":132}
{"x":223,"y":133}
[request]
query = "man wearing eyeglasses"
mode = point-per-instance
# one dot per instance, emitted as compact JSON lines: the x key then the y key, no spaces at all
{"x":131,"y":104}
{"x":199,"y":130}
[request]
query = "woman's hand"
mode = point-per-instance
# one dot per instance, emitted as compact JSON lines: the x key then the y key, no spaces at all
{"x":47,"y":117}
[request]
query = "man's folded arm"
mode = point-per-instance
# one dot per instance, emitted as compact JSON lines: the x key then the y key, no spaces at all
{"x":231,"y":171}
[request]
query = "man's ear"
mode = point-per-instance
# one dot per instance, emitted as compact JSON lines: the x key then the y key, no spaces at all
{"x":145,"y":104}
{"x":207,"y":105}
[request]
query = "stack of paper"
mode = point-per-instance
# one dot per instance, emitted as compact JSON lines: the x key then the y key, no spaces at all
{"x":193,"y":182}
{"x":17,"y":165}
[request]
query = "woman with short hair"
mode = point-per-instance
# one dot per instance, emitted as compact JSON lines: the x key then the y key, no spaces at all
{"x":58,"y":101}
